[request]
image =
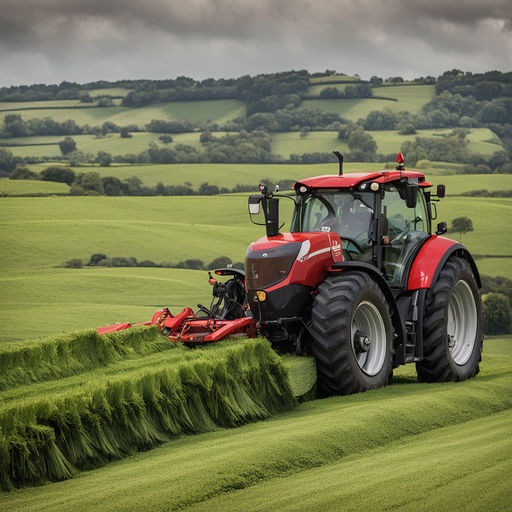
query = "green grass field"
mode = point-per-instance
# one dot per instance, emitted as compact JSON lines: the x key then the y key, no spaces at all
{"x":481,"y":140}
{"x":334,"y":78}
{"x":31,"y":187}
{"x":352,"y":453}
{"x":409,"y":97}
{"x":30,"y":105}
{"x":218,"y":111}
{"x":112,"y":143}
{"x":109,"y":91}
{"x":39,"y":234}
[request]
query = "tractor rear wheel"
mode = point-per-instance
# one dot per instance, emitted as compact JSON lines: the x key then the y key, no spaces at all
{"x":452,"y":333}
{"x":352,"y":334}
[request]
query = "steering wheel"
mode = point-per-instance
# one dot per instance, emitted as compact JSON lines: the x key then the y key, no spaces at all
{"x":398,"y":237}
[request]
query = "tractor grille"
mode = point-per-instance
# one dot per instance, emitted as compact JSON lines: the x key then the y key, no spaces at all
{"x":267,"y":267}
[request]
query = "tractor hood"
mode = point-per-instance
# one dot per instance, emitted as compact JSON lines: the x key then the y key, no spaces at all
{"x":269,"y":260}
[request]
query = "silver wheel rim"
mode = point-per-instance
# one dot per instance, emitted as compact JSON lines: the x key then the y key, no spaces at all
{"x":367,"y":319}
{"x":462,"y":323}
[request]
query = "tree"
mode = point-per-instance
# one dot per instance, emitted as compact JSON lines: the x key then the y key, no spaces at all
{"x":462,"y":225}
{"x":220,"y":262}
{"x":104,"y":159}
{"x":23,"y":173}
{"x":90,"y":182}
{"x":59,"y":174}
{"x":95,"y":258}
{"x":125,"y":133}
{"x":497,"y":314}
{"x":112,"y":186}
{"x":362,"y":145}
{"x":7,"y":161}
{"x":68,"y":145}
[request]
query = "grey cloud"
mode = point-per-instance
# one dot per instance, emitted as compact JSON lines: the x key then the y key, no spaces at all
{"x":232,"y":37}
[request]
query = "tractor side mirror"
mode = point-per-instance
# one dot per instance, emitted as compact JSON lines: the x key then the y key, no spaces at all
{"x":411,"y":195}
{"x":442,"y":228}
{"x":254,"y":204}
{"x":441,"y":190}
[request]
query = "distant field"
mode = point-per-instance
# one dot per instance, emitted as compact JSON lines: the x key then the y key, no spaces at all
{"x":490,"y":217}
{"x":63,"y":300}
{"x":410,"y":98}
{"x":112,"y":143}
{"x":160,"y":229}
{"x":29,"y":187}
{"x":315,"y":90}
{"x":224,"y":175}
{"x":481,"y":140}
{"x":28,"y":105}
{"x":213,"y":110}
{"x":41,"y":233}
{"x":495,"y":266}
{"x":334,"y":78}
{"x":111,"y":91}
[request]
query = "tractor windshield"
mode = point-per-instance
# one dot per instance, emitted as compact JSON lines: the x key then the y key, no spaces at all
{"x":349,"y":214}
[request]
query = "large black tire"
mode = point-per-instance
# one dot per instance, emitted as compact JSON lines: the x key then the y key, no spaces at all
{"x":452,"y":332}
{"x":348,"y":301}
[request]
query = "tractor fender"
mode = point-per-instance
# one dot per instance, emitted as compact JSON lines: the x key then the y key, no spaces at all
{"x":383,"y":285}
{"x":431,"y":259}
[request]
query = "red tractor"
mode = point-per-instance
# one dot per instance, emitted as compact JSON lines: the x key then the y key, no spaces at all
{"x":362,"y":283}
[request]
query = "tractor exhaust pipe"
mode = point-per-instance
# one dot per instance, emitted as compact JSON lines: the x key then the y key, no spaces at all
{"x":340,"y":159}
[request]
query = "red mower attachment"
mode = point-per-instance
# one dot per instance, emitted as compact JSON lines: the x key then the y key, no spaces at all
{"x":227,"y":317}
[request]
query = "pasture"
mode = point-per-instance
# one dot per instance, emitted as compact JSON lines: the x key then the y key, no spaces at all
{"x":451,"y":439}
{"x":218,"y":111}
{"x":40,"y":234}
{"x":480,"y":140}
{"x":31,"y":187}
{"x":409,"y":98}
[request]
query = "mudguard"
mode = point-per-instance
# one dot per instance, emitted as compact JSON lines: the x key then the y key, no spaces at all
{"x":431,"y":259}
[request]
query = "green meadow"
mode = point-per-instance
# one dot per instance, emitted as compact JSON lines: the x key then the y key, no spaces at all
{"x":31,"y":187}
{"x":218,"y":111}
{"x":113,"y":143}
{"x":40,"y":234}
{"x":450,"y":439}
{"x":480,"y":140}
{"x":409,"y":98}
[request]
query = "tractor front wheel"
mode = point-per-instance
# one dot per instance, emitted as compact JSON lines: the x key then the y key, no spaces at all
{"x":452,"y":333}
{"x":352,"y":334}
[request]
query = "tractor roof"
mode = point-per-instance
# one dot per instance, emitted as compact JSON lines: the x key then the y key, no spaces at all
{"x":353,"y":179}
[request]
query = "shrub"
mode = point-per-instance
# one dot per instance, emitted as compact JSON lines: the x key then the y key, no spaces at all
{"x":497,"y":314}
{"x":74,"y":263}
{"x":220,"y":262}
{"x":96,"y":258}
{"x":59,"y":174}
{"x":23,"y":173}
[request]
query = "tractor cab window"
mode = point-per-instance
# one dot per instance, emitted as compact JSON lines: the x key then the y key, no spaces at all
{"x":342,"y":212}
{"x":406,"y":229}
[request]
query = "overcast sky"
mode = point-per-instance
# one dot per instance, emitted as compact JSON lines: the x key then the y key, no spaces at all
{"x":86,"y":40}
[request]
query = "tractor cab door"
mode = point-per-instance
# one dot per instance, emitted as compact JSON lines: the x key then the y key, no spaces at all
{"x":407,"y":228}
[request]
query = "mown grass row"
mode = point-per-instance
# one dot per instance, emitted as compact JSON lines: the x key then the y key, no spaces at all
{"x":52,"y":437}
{"x":388,"y":438}
{"x":60,"y":356}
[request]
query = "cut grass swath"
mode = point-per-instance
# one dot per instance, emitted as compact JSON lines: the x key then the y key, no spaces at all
{"x":52,"y":437}
{"x":61,"y":356}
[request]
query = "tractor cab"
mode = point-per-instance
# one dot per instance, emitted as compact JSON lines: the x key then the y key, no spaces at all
{"x":381,"y":218}
{"x":376,"y":226}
